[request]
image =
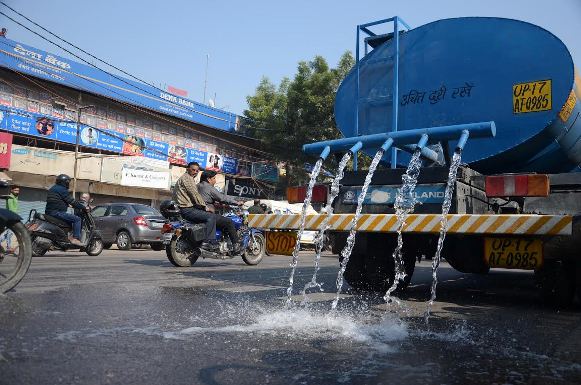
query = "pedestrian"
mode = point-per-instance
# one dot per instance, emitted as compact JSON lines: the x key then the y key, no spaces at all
{"x":12,"y":205}
{"x":12,"y":201}
{"x":255,"y":208}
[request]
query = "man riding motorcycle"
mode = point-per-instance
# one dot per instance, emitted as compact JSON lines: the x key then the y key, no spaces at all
{"x":192,"y":206}
{"x":211,"y":196}
{"x":58,"y":201}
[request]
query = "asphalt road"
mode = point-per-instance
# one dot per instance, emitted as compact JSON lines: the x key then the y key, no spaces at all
{"x":133,"y":318}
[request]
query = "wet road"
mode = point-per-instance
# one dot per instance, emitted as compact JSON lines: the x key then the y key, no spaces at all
{"x":132,"y":318}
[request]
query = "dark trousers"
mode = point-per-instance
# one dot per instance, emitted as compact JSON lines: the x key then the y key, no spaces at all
{"x":71,"y":219}
{"x":200,"y":216}
{"x":227,"y":226}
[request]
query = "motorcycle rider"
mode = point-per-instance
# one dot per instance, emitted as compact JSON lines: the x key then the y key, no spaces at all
{"x":211,"y":195}
{"x":57,"y":202}
{"x":192,"y":205}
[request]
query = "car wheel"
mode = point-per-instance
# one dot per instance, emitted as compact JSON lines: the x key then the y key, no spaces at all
{"x":123,"y":240}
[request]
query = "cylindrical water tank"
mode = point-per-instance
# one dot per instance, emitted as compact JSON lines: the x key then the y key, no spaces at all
{"x":469,"y":70}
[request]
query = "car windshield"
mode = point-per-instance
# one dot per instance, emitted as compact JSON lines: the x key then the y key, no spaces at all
{"x":145,"y":210}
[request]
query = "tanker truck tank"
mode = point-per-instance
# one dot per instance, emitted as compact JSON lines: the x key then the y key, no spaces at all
{"x":474,"y":69}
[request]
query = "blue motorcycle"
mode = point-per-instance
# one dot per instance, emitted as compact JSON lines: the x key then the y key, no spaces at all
{"x":182,"y":239}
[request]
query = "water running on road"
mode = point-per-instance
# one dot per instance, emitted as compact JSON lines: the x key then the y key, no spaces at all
{"x":405,"y":203}
{"x":295,"y":260}
{"x":320,"y":238}
{"x":443,"y":227}
{"x":346,"y":252}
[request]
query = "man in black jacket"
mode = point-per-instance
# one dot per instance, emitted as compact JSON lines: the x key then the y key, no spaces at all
{"x":58,"y":201}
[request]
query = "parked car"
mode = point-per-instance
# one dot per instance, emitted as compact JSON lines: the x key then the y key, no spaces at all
{"x":127,"y":224}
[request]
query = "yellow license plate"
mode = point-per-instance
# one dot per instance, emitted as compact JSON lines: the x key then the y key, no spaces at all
{"x":281,"y":242}
{"x":513,"y":253}
{"x":532,"y":97}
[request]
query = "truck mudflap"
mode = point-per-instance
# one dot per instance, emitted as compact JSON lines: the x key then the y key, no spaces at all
{"x":493,"y":224}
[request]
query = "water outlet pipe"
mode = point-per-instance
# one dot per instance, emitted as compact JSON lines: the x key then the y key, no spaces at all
{"x":462,"y":141}
{"x":401,"y":138}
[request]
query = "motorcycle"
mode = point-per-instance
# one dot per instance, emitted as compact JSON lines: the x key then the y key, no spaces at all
{"x":15,"y":247}
{"x":50,"y":233}
{"x":183,"y":239}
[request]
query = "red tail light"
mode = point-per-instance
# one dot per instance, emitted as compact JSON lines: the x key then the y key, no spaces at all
{"x":140,"y":221}
{"x":533,"y":185}
{"x":167,"y":228}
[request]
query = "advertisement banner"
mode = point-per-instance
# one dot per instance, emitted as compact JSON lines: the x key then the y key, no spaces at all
{"x":38,"y":125}
{"x":136,"y":171}
{"x":5,"y":149}
{"x":41,"y":161}
{"x":143,"y":178}
{"x":246,"y":188}
{"x":265,"y":171}
{"x":40,"y":64}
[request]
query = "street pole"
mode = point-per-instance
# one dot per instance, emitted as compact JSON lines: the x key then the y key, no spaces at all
{"x":75,"y":173}
{"x":206,"y":76}
{"x":77,"y":151}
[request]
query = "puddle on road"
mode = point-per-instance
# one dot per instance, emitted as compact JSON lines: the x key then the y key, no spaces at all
{"x":381,"y":332}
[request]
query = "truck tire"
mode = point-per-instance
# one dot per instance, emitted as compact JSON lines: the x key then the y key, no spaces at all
{"x":375,"y":271}
{"x":556,"y":283}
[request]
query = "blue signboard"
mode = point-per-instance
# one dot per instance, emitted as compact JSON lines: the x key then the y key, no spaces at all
{"x":23,"y":58}
{"x":380,"y":195}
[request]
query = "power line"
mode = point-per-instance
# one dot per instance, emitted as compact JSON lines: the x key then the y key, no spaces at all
{"x":132,"y":106}
{"x":110,"y":65}
{"x":108,"y":73}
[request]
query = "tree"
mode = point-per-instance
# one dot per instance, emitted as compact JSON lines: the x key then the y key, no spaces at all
{"x":296,"y":112}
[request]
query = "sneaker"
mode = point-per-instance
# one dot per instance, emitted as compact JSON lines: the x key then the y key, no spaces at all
{"x":75,"y":241}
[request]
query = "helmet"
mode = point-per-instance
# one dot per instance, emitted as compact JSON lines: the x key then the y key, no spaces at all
{"x":63,"y":180}
{"x":169,"y":209}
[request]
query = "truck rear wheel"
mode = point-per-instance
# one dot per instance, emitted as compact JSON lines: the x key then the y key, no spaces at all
{"x":556,"y":282}
{"x":375,"y":271}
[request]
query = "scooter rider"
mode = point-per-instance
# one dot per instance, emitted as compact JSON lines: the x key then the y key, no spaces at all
{"x":211,"y":195}
{"x":57,"y":202}
{"x":192,"y":206}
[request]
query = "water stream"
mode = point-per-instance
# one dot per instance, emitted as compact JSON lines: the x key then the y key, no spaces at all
{"x":295,"y":259}
{"x":405,"y":202}
{"x":346,"y":252}
{"x":443,"y":228}
{"x":320,"y":238}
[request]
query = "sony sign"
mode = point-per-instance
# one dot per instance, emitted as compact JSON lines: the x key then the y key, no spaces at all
{"x":246,"y":188}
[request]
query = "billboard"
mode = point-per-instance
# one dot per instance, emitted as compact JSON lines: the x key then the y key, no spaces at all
{"x":26,"y":59}
{"x":42,"y":126}
{"x":5,"y":149}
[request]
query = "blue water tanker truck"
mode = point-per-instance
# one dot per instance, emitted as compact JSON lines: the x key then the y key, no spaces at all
{"x":517,"y":198}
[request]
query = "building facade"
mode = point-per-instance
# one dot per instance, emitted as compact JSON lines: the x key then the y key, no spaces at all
{"x":132,"y":139}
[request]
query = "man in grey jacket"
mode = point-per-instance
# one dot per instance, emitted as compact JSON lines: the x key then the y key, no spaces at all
{"x":211,"y":195}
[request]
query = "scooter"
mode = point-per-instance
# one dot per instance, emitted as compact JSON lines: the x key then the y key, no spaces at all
{"x":50,"y":233}
{"x":183,"y":239}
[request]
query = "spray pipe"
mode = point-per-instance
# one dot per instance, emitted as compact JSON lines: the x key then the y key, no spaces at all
{"x":462,"y":141}
{"x":387,"y":144}
{"x":356,"y":147}
{"x":325,"y":153}
{"x":401,"y":138}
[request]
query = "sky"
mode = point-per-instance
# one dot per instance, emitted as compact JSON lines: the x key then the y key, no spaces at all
{"x":226,"y":47}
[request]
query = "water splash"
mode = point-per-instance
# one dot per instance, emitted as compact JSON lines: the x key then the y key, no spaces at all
{"x":295,"y":260}
{"x":405,"y":202}
{"x":320,"y":238}
{"x":346,"y":252}
{"x":443,"y":228}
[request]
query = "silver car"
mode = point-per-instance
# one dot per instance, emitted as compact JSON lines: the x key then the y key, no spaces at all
{"x":127,"y":224}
